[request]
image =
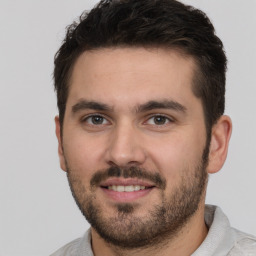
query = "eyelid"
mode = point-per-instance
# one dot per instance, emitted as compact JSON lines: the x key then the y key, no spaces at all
{"x":90,"y":115}
{"x":171,"y":119}
{"x":161,"y":115}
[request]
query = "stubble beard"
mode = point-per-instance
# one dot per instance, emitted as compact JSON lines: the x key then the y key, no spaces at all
{"x":162,"y":222}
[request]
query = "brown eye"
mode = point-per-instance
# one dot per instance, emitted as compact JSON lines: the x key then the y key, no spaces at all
{"x":96,"y":120}
{"x":160,"y":120}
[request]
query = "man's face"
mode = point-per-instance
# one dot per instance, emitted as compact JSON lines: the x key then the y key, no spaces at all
{"x":134,"y":143}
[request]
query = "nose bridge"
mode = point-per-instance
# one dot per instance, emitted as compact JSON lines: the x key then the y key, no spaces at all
{"x":125,"y":145}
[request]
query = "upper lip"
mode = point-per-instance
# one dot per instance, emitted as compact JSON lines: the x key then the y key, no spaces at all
{"x":125,"y":182}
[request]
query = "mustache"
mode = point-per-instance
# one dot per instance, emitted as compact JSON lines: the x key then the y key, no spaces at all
{"x":128,"y":172}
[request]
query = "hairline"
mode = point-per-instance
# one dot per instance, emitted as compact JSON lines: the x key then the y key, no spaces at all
{"x":197,"y":75}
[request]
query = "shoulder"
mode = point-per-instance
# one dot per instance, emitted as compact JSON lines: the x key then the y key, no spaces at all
{"x":78,"y":247}
{"x":69,"y":249}
{"x":222,"y":239}
{"x":245,"y":244}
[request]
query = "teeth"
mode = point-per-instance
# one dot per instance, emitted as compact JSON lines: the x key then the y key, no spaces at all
{"x":130,"y":188}
{"x":120,"y":188}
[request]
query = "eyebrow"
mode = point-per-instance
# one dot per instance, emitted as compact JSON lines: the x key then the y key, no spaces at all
{"x":84,"y":104}
{"x":165,"y":104}
{"x":151,"y":105}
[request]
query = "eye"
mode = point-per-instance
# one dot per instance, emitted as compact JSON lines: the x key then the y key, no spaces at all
{"x":158,"y":120}
{"x":95,"y":120}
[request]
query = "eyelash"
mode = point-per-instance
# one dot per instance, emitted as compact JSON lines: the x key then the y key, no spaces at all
{"x":166,"y":119}
{"x":86,"y":118}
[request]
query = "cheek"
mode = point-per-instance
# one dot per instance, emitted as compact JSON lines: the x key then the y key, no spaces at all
{"x":83,"y":153}
{"x":175,"y":154}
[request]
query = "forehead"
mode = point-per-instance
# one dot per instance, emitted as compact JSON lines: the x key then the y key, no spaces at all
{"x":132,"y":75}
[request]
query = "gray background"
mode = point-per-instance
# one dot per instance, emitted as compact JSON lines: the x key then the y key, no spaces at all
{"x":37,"y":211}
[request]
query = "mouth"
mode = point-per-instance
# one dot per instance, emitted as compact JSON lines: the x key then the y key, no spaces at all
{"x":126,"y":190}
{"x":130,"y":188}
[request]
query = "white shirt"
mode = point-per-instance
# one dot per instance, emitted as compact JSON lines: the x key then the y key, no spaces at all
{"x":221,"y":240}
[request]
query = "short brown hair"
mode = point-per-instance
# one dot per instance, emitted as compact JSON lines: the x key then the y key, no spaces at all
{"x":148,"y":23}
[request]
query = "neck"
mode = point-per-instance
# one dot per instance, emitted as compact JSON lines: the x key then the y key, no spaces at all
{"x":186,"y":241}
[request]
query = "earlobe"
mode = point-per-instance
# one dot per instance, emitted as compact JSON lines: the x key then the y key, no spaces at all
{"x":221,"y":133}
{"x":60,"y":147}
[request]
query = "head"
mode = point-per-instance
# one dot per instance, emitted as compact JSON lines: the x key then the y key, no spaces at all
{"x":140,"y":88}
{"x":160,"y":23}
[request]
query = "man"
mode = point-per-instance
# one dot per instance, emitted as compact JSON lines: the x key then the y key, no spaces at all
{"x":141,"y":90}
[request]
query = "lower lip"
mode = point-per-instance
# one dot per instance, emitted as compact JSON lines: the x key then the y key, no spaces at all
{"x":126,"y":196}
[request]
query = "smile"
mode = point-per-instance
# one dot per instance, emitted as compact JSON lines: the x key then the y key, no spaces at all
{"x":130,"y":188}
{"x":126,"y":190}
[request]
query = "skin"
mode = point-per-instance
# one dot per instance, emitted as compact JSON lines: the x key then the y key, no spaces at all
{"x":124,"y":80}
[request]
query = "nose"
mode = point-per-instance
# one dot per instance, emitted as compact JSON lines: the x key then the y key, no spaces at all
{"x":125,"y":146}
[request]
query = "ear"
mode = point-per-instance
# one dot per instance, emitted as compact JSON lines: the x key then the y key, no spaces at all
{"x":60,"y":147}
{"x":221,"y":133}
